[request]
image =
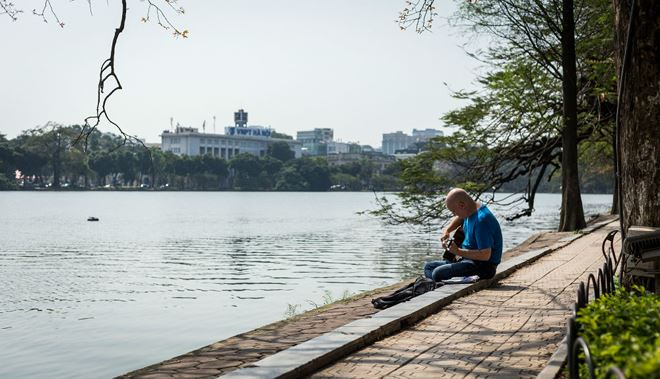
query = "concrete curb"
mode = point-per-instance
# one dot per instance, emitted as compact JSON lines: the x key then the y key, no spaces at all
{"x":556,"y":362}
{"x":310,"y":356}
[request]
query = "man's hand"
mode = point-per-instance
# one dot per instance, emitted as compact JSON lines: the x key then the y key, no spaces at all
{"x":444,"y":238}
{"x":449,"y":244}
{"x":453,"y":225}
{"x":474,"y":254}
{"x":453,"y":248}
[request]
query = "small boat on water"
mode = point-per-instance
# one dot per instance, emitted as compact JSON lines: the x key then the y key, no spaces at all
{"x":92,"y":219}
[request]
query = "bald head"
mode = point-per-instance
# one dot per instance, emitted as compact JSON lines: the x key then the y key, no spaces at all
{"x":460,"y":203}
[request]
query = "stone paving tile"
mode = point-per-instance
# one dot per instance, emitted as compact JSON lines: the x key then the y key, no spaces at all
{"x":509,"y":330}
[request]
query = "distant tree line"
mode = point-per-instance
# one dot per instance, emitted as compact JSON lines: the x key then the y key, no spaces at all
{"x":54,"y":156}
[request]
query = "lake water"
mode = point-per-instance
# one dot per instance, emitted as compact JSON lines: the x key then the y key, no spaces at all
{"x":164,"y":273}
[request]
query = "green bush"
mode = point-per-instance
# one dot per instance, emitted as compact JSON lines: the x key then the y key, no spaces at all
{"x":6,"y":183}
{"x":623,"y":329}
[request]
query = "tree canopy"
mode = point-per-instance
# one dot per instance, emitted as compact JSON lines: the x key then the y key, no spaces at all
{"x":514,"y":126}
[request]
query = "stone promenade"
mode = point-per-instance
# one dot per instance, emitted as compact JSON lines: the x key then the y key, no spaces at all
{"x":509,"y":330}
{"x":473,"y":320}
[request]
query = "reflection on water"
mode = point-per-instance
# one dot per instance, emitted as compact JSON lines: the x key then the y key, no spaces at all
{"x":164,"y":273}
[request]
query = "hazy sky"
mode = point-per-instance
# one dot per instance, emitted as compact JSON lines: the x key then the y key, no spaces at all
{"x":293,"y":65}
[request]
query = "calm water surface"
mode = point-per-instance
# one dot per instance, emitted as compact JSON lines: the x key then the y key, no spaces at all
{"x":164,"y":273}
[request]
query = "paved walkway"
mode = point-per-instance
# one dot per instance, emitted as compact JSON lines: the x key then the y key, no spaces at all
{"x":509,"y":330}
{"x":244,"y":349}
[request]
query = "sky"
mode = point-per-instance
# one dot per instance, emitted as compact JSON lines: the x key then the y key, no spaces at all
{"x":291,"y":64}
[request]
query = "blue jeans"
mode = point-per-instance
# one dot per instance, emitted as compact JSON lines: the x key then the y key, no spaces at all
{"x":443,"y":270}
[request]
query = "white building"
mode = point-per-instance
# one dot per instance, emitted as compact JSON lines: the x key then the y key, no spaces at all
{"x":396,"y":141}
{"x":237,"y":139}
{"x":315,"y":142}
{"x":402,"y":141}
{"x":426,"y":134}
{"x":338,"y":147}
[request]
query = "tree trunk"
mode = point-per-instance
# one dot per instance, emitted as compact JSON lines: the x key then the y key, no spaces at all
{"x":615,"y":196}
{"x":639,"y":112}
{"x":615,"y":200}
{"x":572,"y":215}
{"x":56,"y":166}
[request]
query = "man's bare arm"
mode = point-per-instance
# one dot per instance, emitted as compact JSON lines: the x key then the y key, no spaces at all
{"x":453,"y":225}
{"x":475,"y":255}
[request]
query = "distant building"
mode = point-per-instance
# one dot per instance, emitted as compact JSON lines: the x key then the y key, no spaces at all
{"x":402,"y":155}
{"x":399,"y":141}
{"x":241,"y":128}
{"x":396,"y":141}
{"x":380,"y":161}
{"x":315,"y":142}
{"x":237,"y":139}
{"x":426,"y":134}
{"x":240,"y":118}
{"x":316,"y":135}
{"x":154,"y":145}
{"x":335,"y":147}
{"x":367,"y":149}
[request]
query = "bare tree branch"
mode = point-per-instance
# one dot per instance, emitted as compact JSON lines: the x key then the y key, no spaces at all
{"x":417,"y":13}
{"x":48,"y":7}
{"x":161,"y":17}
{"x":9,"y":9}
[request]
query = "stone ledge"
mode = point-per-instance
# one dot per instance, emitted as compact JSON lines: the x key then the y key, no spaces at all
{"x":556,"y":362}
{"x":309,"y":356}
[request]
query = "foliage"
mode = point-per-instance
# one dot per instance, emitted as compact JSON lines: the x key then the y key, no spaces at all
{"x":289,"y":179}
{"x":596,"y":166}
{"x":314,"y":171}
{"x":281,"y":151}
{"x":385,"y":183}
{"x":7,"y":163}
{"x":623,"y":329}
{"x":420,"y":203}
{"x":346,"y":181}
{"x":7,"y":183}
{"x":510,"y":129}
{"x":248,"y":170}
{"x":292,"y":310}
{"x":281,"y":135}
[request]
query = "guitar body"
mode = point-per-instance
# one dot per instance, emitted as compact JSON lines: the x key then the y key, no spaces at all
{"x":457,"y":238}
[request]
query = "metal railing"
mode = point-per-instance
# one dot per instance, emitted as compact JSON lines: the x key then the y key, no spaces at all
{"x":600,"y":284}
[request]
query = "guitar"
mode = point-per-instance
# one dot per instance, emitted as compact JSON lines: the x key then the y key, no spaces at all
{"x":456,"y":238}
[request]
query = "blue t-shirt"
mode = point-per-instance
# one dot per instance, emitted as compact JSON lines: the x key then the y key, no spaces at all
{"x":483,"y":231}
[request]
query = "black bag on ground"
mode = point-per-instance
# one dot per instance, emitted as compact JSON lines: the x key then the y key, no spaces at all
{"x":416,"y":288}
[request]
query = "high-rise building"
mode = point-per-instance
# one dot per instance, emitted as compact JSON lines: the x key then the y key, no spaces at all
{"x":315,"y":142}
{"x":402,"y":141}
{"x":396,"y":141}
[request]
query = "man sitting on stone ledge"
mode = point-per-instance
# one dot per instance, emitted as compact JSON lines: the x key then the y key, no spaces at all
{"x":482,"y":248}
